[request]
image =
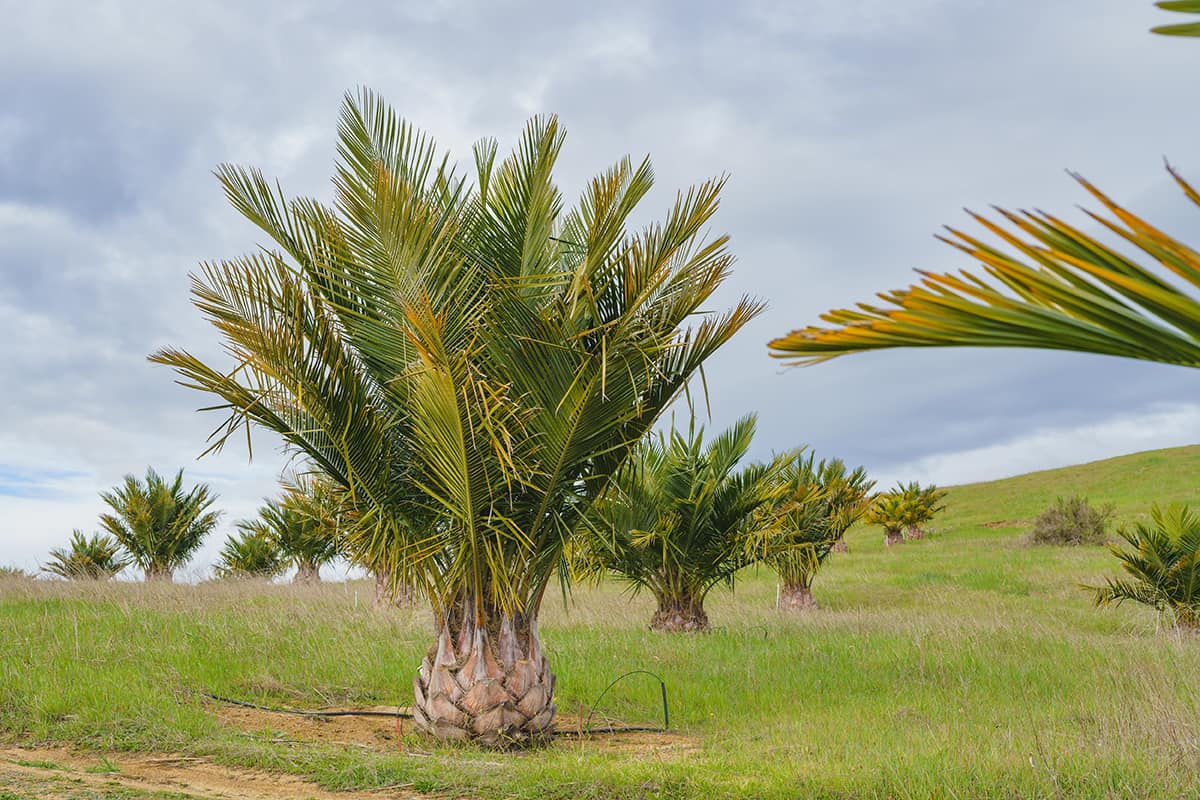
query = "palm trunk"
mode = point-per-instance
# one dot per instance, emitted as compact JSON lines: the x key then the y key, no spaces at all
{"x":486,"y":682}
{"x":680,"y":615}
{"x":914,"y":532}
{"x":159,"y":573}
{"x":893,"y":536}
{"x":840,"y":545}
{"x":795,"y":597}
{"x":307,"y":573}
{"x":392,"y":593}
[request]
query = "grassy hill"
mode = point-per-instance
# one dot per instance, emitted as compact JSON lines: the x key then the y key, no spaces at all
{"x":965,"y":665}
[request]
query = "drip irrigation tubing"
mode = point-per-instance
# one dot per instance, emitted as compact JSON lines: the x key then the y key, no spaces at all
{"x":399,"y":714}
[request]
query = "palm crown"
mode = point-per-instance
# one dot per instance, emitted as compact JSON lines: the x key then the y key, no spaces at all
{"x":467,"y":359}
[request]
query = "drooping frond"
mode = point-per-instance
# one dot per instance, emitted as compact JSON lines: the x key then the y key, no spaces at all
{"x":1054,"y":287}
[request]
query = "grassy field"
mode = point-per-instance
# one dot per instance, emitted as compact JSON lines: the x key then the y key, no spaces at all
{"x":966,"y":665}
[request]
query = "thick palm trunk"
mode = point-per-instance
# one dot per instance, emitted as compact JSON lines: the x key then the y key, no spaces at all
{"x":390,"y":593}
{"x":489,"y":684}
{"x":796,"y":597}
{"x":914,"y":532}
{"x":159,"y":573}
{"x":893,"y":536}
{"x":680,"y":615}
{"x":840,"y":545}
{"x":307,"y":573}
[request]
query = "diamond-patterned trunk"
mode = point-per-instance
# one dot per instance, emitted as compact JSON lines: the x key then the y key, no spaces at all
{"x":498,"y":691}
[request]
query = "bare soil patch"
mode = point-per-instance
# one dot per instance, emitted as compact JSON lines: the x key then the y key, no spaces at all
{"x":59,"y":773}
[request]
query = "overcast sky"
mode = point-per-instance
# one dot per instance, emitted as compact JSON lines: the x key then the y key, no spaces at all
{"x":851,"y":130}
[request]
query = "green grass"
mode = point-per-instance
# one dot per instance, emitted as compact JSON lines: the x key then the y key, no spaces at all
{"x":965,"y":665}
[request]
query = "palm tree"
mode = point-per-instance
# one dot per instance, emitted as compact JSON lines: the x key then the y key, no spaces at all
{"x":678,"y":518}
{"x":158,"y":523}
{"x":921,"y":505}
{"x":1164,"y":564}
{"x":303,"y":526}
{"x":97,"y":558}
{"x":250,"y":554}
{"x":471,"y":362}
{"x":820,"y":501}
{"x":889,"y":511}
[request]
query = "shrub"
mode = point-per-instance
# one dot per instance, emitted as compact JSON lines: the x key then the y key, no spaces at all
{"x":1072,"y":522}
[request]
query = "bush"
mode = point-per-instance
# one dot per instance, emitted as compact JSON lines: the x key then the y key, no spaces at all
{"x":1072,"y":522}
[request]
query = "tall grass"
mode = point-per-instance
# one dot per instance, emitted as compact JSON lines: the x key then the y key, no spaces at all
{"x":963,"y":666}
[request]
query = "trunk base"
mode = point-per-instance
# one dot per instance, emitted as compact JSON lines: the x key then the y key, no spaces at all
{"x":893,"y":537}
{"x":307,"y":574}
{"x":499,"y":697}
{"x":686,"y":617}
{"x":797,"y":598}
{"x":914,"y":533}
{"x":840,"y":546}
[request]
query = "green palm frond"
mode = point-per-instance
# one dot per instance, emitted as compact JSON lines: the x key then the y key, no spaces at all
{"x":1055,"y":287}
{"x":1179,"y":29}
{"x":466,"y":357}
{"x":95,"y":558}
{"x":159,"y":523}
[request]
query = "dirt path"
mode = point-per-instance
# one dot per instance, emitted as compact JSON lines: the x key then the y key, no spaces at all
{"x":64,"y":775}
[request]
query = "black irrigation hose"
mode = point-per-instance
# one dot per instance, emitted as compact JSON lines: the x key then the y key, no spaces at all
{"x":585,"y":731}
{"x":661,"y":685}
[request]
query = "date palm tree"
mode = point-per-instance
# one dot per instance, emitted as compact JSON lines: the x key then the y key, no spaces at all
{"x":677,"y":519}
{"x":303,"y":526}
{"x":250,"y":554}
{"x":818,"y":504}
{"x":921,"y":505}
{"x":471,"y":362}
{"x":96,"y":558}
{"x":1163,"y":563}
{"x":158,"y":523}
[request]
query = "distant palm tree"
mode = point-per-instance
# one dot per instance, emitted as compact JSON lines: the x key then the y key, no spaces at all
{"x":159,"y":523}
{"x":1164,"y":564}
{"x":97,"y":558}
{"x":678,"y":519}
{"x":472,"y":361}
{"x":250,"y":554}
{"x":818,"y":504}
{"x":303,"y":525}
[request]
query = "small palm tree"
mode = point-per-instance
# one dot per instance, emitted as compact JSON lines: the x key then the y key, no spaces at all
{"x":819,"y":503}
{"x":13,"y":574}
{"x":97,"y":558}
{"x":921,"y":505}
{"x":888,"y":511}
{"x":1164,"y":564}
{"x":677,"y":520}
{"x":250,"y":554}
{"x":158,"y":523}
{"x":303,"y":525}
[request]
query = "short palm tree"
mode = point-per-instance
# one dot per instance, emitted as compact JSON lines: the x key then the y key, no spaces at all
{"x":819,"y":503}
{"x":303,"y":526}
{"x":158,"y":523}
{"x":472,"y":362}
{"x":678,"y":518}
{"x":250,"y":554}
{"x":921,"y":505}
{"x":889,"y":512}
{"x":8,"y":573}
{"x":1164,"y":564}
{"x":98,"y":558}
